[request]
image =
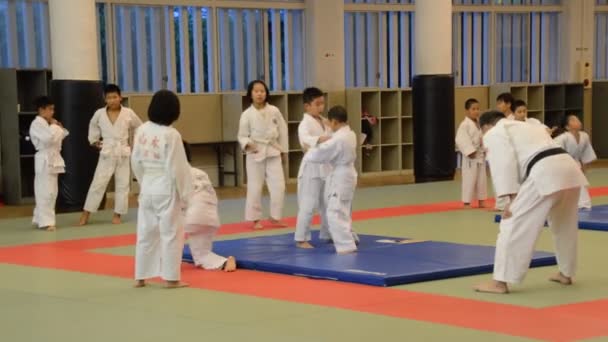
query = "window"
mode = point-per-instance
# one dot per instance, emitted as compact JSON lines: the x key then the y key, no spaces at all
{"x":24,"y":34}
{"x":379,"y":49}
{"x":256,"y":43}
{"x":545,"y":47}
{"x":601,"y":46}
{"x":471,"y":48}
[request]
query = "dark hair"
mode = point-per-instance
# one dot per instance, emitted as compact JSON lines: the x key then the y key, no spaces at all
{"x":563,"y":125}
{"x":490,"y":118}
{"x":469,"y":102}
{"x":164,"y":108}
{"x":505,"y":97}
{"x":517,"y":103}
{"x":188,"y":151}
{"x":337,"y":113}
{"x":43,"y":102}
{"x":111,"y":88}
{"x":250,"y":90}
{"x":311,"y":94}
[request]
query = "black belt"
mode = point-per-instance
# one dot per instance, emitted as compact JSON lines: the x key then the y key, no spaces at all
{"x":542,"y":155}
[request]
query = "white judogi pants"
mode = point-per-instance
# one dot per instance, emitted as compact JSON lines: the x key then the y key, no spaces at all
{"x":474,"y":181}
{"x":200,"y":240}
{"x":311,"y":196}
{"x":584,"y":199}
{"x":270,"y":170}
{"x":160,"y":238}
{"x":339,"y":214}
{"x":518,"y":234}
{"x":45,"y":192}
{"x":106,"y":167}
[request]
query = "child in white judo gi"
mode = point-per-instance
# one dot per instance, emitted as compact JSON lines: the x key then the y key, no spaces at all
{"x":109,"y":131}
{"x":160,"y":166}
{"x":202,"y":222}
{"x":340,"y":152}
{"x":46,"y":135}
{"x":577,"y":143}
{"x":263,"y":136}
{"x":312,"y":131}
{"x":543,"y":183}
{"x":473,"y":166}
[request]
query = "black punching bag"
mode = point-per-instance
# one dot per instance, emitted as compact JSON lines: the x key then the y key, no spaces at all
{"x":434,"y":128}
{"x":75,"y":104}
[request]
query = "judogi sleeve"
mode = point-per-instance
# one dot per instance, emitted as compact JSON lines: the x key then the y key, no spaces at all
{"x":325,"y":152}
{"x":94,"y":129}
{"x":136,"y":165}
{"x":464,"y":143}
{"x":503,"y":162}
{"x":135,"y":120}
{"x":178,"y":165}
{"x":244,"y":130}
{"x":561,"y":140}
{"x":304,"y":135}
{"x":587,"y":154}
{"x":283,"y":134}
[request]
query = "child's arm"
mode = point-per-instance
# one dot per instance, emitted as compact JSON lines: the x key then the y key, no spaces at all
{"x":178,"y":165}
{"x":503,"y":162}
{"x":324,"y":153}
{"x":283,"y":134}
{"x":135,"y":120}
{"x":588,"y":154}
{"x":94,"y":129}
{"x":244,"y":133}
{"x":136,"y":166}
{"x":465,"y":143}
{"x":307,"y":140}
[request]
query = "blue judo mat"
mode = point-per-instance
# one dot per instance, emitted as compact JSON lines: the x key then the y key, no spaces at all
{"x":380,"y":261}
{"x":594,"y":219}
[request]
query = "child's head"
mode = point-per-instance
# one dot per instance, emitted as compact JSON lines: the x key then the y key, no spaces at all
{"x":472,"y":108}
{"x":314,"y":101}
{"x":188,"y":151}
{"x":164,"y":108}
{"x":45,"y":107}
{"x":571,"y":122}
{"x":503,"y":102}
{"x":489,"y":119}
{"x":337,"y":117}
{"x":257,"y":92}
{"x":520,"y":110}
{"x":112,"y":96}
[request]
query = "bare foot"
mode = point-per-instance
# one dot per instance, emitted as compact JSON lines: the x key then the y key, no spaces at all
{"x":230,"y":265}
{"x":278,"y":223}
{"x":350,"y":251}
{"x":562,"y":279}
{"x":482,"y":204}
{"x":116,"y":219}
{"x":84,"y":218}
{"x":304,"y":244}
{"x":467,"y":205}
{"x":258,"y":225}
{"x":175,"y":284}
{"x":492,"y":286}
{"x":139,"y":284}
{"x":51,"y":228}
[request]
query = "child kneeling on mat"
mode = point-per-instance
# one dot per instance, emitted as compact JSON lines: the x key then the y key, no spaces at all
{"x":340,"y":152}
{"x":202,"y":222}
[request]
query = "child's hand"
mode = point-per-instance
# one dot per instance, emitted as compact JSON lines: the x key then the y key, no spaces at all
{"x":323,"y":139}
{"x":251,"y":147}
{"x":97,"y":145}
{"x":284,"y":157}
{"x":472,"y":155}
{"x":507,"y":213}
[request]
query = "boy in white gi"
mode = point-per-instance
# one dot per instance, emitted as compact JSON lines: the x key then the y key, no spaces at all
{"x":311,"y":176}
{"x":263,"y":136}
{"x":109,"y":131}
{"x":160,"y":166}
{"x":202,"y":221}
{"x":340,"y":152}
{"x":577,"y":143}
{"x":544,"y":183}
{"x":46,"y":135}
{"x":468,"y":142}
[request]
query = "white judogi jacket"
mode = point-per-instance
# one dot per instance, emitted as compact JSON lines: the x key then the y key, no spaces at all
{"x":266,"y":128}
{"x":160,"y":166}
{"x":581,"y":151}
{"x":528,"y":120}
{"x":202,"y":203}
{"x":47,"y":140}
{"x":340,"y":152}
{"x":309,"y":131}
{"x":512,"y":144}
{"x":115,"y":136}
{"x":469,"y":140}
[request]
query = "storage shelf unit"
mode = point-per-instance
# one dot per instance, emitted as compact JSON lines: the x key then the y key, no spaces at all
{"x":548,"y":103}
{"x":18,"y":90}
{"x":391,"y":149}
